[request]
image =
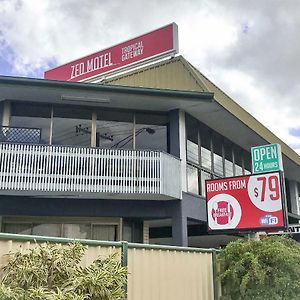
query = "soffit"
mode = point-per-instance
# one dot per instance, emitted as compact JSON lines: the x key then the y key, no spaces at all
{"x":116,"y":97}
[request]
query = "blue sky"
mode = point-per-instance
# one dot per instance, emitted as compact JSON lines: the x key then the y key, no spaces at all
{"x":7,"y":65}
{"x":248,"y":48}
{"x":6,"y":53}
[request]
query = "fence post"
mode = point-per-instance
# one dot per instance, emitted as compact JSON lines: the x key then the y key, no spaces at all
{"x":124,"y":261}
{"x":215,"y":275}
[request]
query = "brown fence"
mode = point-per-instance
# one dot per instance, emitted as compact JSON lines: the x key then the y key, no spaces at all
{"x":155,"y":272}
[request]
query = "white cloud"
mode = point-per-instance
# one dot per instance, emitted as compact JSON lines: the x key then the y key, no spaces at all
{"x":241,"y":45}
{"x":261,"y":102}
{"x":199,"y":43}
{"x":65,"y":30}
{"x":41,"y":31}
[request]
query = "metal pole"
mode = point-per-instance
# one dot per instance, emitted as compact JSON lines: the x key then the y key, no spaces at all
{"x":124,"y":261}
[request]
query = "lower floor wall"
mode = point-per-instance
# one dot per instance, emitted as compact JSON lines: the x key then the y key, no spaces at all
{"x":123,"y":219}
{"x":102,"y":228}
{"x":154,"y":272}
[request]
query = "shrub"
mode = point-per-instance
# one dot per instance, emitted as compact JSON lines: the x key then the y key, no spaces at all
{"x":266,"y":269}
{"x":53,"y":272}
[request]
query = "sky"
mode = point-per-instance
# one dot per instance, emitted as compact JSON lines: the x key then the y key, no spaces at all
{"x":249,"y":48}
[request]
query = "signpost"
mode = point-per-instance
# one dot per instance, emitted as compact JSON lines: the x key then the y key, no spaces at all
{"x":157,"y":43}
{"x":250,"y":203}
{"x":245,"y":203}
{"x":266,"y":158}
{"x":292,"y":230}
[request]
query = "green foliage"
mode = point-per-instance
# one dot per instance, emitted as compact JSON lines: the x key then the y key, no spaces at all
{"x":53,"y":272}
{"x":266,"y":269}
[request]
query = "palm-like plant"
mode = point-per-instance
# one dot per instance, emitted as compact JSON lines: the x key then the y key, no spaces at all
{"x":53,"y":272}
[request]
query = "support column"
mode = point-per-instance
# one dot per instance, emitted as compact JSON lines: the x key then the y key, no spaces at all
{"x":93,"y":130}
{"x":294,"y":196}
{"x":133,"y":132}
{"x":6,"y":114}
{"x":51,"y":126}
{"x":177,"y":141}
{"x":179,"y":231}
{"x":177,"y":147}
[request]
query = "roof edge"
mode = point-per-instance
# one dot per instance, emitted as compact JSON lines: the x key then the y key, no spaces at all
{"x":250,"y":121}
{"x":106,"y":88}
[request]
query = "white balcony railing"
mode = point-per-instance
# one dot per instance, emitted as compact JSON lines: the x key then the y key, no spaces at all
{"x":60,"y":169}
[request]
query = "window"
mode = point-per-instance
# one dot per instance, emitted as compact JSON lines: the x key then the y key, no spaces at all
{"x":87,"y":126}
{"x":204,"y":176}
{"x":246,"y":157}
{"x":72,"y":126}
{"x":192,"y":167}
{"x":104,"y":232}
{"x":151,"y":131}
{"x":192,"y":152}
{"x":133,"y":231}
{"x":62,"y":227}
{"x":114,"y":129}
{"x":218,"y":165}
{"x":76,"y":231}
{"x":238,"y":157}
{"x":47,"y":229}
{"x":30,"y":115}
{"x":238,"y":170}
{"x":206,"y":158}
{"x":192,"y":179}
{"x":218,"y":157}
{"x":228,"y":168}
{"x":18,"y":228}
{"x":129,"y":130}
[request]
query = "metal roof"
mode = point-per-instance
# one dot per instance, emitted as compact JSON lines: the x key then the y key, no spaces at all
{"x":224,"y":116}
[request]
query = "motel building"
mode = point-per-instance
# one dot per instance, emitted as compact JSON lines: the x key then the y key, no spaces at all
{"x":98,"y":152}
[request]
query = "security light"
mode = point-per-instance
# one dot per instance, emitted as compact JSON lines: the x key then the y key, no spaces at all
{"x":84,"y":98}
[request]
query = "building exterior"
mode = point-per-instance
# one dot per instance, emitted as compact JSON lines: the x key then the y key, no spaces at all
{"x":125,"y":157}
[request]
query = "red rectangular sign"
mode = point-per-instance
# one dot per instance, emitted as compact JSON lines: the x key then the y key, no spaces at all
{"x":245,"y":203}
{"x":158,"y":42}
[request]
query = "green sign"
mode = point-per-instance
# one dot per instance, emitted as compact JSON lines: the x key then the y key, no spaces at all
{"x":266,"y":158}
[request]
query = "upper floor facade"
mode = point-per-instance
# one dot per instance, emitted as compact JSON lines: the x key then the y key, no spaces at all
{"x":69,"y":140}
{"x":111,"y":142}
{"x":62,"y":140}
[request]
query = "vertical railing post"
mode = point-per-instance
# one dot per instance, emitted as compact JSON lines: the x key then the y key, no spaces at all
{"x":161,"y":173}
{"x":215,"y":275}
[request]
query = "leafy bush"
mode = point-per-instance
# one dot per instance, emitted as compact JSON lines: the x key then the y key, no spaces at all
{"x":53,"y":272}
{"x":266,"y":269}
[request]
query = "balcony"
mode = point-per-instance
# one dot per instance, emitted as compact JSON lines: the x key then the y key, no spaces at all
{"x":61,"y":171}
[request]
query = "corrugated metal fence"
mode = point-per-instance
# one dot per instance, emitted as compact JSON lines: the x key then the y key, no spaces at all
{"x":155,"y":272}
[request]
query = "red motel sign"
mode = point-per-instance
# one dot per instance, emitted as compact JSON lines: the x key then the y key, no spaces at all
{"x":245,"y":203}
{"x":156,"y":43}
